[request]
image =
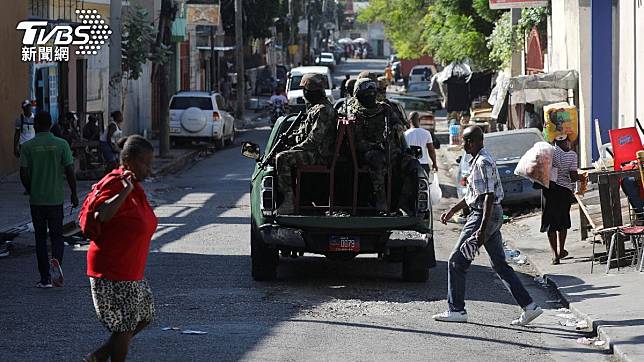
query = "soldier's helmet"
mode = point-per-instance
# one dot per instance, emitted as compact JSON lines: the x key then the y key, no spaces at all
{"x":382,"y":84}
{"x":364,"y":85}
{"x":313,"y":82}
{"x":367,"y":74}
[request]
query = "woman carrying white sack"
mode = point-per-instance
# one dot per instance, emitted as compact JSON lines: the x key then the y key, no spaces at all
{"x":559,"y":196}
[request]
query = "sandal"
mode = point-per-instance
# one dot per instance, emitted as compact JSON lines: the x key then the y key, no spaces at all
{"x":555,"y":261}
{"x":564,"y":254}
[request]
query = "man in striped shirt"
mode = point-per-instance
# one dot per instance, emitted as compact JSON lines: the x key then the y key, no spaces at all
{"x":483,"y":196}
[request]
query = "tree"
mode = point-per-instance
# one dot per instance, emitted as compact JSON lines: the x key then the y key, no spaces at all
{"x":138,"y":36}
{"x":449,"y":30}
{"x":401,"y":20}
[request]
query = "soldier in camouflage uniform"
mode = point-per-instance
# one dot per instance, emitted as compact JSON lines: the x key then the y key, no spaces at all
{"x":315,"y":139}
{"x":340,"y":104}
{"x":382,"y":84}
{"x":372,"y":146}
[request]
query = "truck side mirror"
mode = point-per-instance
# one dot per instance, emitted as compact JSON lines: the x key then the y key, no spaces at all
{"x":416,"y":151}
{"x":250,"y":150}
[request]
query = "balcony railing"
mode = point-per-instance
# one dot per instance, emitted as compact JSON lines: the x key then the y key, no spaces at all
{"x":55,"y":9}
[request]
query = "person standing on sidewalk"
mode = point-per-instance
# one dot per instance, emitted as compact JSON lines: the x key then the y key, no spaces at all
{"x":417,"y":136}
{"x":44,"y":162}
{"x":109,"y":140}
{"x":483,"y":196}
{"x":24,"y":127}
{"x":116,"y":260}
{"x":558,"y":197}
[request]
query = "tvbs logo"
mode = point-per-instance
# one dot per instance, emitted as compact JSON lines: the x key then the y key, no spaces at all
{"x":44,"y":43}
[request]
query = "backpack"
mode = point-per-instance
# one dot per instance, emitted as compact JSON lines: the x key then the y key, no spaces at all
{"x":90,"y":227}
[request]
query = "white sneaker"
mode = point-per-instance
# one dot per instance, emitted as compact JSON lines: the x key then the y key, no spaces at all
{"x":450,"y":316}
{"x":529,"y":314}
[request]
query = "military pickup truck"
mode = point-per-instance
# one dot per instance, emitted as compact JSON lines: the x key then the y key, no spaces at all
{"x":334,"y":215}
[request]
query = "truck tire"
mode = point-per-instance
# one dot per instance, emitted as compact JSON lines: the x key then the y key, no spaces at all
{"x":416,"y":263}
{"x":264,"y":260}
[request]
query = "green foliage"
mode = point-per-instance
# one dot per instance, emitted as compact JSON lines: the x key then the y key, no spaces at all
{"x":138,"y":36}
{"x":449,"y":30}
{"x":401,"y":19}
{"x":257,"y":19}
{"x":502,"y":42}
{"x":531,"y":17}
{"x":506,"y":39}
{"x":456,"y":30}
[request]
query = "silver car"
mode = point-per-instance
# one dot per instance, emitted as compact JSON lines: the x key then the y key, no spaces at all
{"x":506,"y":147}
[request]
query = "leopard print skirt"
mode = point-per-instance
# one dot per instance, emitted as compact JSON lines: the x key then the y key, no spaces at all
{"x":121,"y":305}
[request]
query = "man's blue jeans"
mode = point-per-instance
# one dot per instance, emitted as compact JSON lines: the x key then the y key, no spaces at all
{"x":458,"y":265}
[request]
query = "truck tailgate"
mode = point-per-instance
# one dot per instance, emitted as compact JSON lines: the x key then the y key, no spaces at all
{"x":351,"y":222}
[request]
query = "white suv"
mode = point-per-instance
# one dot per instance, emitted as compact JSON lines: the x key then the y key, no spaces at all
{"x":201,"y":116}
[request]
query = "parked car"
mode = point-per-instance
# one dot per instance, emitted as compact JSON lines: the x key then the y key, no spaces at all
{"x":201,"y":116}
{"x":326,"y":59}
{"x":420,"y":73}
{"x":421,"y":90}
{"x":506,"y":147}
{"x":424,"y":108}
{"x":294,"y":92}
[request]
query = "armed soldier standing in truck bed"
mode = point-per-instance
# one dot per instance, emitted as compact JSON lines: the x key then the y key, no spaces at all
{"x":315,"y":139}
{"x":375,"y":121}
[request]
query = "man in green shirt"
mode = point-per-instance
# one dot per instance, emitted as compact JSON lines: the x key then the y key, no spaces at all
{"x":45,"y":161}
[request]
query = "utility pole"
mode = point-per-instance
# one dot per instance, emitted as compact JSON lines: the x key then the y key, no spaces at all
{"x":162,"y":74}
{"x":213,"y":87}
{"x":239,"y":40}
{"x":293,"y":29}
{"x":115,"y":58}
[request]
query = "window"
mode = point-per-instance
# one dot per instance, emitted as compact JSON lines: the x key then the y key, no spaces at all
{"x":203,"y":103}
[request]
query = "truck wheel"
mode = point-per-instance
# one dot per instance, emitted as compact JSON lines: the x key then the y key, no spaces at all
{"x":416,"y":263}
{"x":264,"y":260}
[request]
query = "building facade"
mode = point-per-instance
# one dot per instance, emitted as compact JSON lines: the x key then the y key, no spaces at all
{"x":14,"y":80}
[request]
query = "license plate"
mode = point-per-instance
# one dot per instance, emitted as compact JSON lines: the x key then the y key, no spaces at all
{"x":344,"y":243}
{"x":175,"y":130}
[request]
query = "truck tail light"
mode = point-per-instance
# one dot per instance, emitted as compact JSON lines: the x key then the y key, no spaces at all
{"x":463,"y":181}
{"x":216,"y":116}
{"x":268,"y":202}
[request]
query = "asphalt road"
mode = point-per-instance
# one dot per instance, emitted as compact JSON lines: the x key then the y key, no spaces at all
{"x":318,"y":309}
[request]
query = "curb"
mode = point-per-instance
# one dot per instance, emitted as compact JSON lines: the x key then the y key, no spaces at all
{"x":594,"y":325}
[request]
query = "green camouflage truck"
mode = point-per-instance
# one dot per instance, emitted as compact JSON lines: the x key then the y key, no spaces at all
{"x":333,"y":212}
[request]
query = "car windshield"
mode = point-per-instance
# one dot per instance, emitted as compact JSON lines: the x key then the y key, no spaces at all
{"x":327,"y":56}
{"x":414,"y":104}
{"x":511,"y":146}
{"x":415,"y":87}
{"x":295,"y":82}
{"x":418,"y":71}
{"x":203,"y":103}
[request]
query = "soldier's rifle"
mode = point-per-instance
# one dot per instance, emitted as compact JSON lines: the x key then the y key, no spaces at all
{"x":281,"y":138}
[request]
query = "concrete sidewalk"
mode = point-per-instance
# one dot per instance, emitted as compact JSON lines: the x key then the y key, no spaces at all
{"x":610,"y":303}
{"x":15,"y":215}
